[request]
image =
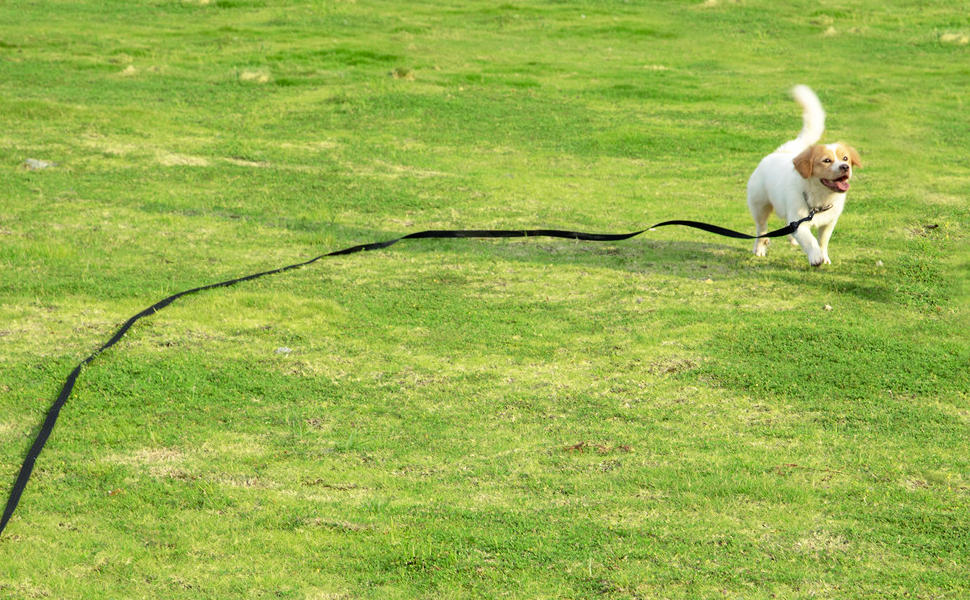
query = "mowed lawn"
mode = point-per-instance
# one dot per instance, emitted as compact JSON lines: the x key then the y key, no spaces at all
{"x":664,"y":417}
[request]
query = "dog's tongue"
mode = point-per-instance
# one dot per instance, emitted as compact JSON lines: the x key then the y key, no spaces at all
{"x":840,"y":185}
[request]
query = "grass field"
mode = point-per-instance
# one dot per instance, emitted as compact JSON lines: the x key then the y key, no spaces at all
{"x":666,"y":417}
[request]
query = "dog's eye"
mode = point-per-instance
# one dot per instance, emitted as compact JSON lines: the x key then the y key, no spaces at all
{"x":845,"y":158}
{"x":826,"y":160}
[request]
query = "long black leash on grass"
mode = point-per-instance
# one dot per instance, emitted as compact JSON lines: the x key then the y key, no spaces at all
{"x":48,"y":426}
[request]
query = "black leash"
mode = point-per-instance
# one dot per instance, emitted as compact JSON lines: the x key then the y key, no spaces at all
{"x":55,"y":409}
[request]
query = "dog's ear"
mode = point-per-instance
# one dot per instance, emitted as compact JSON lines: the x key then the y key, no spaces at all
{"x":805,"y":162}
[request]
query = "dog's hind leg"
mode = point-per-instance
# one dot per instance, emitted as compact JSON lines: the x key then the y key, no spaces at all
{"x":760,"y":215}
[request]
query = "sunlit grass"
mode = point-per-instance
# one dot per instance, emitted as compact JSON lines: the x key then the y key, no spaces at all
{"x":667,"y":417}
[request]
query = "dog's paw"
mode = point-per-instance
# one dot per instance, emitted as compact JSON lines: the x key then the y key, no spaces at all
{"x":816,"y":259}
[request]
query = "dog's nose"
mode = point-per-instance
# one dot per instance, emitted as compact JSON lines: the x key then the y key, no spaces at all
{"x":844,"y":167}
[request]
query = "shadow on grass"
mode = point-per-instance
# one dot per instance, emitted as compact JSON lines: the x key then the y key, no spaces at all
{"x":840,"y":283}
{"x":630,"y":255}
{"x":690,"y":259}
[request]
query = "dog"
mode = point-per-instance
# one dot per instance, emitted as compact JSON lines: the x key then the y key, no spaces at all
{"x":800,"y":176}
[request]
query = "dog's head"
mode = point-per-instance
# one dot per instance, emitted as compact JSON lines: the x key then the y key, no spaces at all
{"x":831,"y":164}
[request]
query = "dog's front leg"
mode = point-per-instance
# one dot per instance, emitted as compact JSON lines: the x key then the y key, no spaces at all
{"x":824,"y":234}
{"x":810,"y":245}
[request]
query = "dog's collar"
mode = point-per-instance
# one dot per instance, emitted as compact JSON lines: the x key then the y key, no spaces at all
{"x":814,"y":210}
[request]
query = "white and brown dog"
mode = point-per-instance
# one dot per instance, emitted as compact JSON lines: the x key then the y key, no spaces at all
{"x":802,"y":176}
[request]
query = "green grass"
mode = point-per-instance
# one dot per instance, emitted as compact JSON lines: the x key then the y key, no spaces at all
{"x":667,"y":417}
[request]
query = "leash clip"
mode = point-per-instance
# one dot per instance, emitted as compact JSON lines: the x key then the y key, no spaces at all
{"x":811,"y":215}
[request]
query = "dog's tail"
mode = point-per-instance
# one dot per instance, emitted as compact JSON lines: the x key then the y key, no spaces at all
{"x":813,"y":119}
